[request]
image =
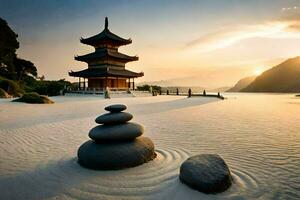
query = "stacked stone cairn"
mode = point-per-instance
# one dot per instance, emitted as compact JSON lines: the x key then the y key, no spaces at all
{"x":116,"y":143}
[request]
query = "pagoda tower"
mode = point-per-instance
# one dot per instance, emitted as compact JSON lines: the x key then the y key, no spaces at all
{"x":106,"y":66}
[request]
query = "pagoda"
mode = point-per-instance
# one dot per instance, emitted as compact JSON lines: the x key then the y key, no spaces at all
{"x":106,"y":66}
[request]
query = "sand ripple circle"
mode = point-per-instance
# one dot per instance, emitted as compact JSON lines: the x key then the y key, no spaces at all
{"x":243,"y":183}
{"x":147,"y":179}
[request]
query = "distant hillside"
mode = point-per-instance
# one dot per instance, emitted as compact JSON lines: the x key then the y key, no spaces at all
{"x":241,"y":84}
{"x":284,"y":77}
{"x":220,"y":89}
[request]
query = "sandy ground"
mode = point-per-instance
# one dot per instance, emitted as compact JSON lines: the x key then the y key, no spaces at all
{"x":38,"y":145}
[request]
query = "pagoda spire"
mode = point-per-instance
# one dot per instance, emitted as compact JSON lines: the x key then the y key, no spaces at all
{"x":106,"y":23}
{"x":105,"y":37}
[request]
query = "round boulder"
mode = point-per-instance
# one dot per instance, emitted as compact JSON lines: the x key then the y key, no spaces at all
{"x":114,"y":118}
{"x":116,"y":108}
{"x":116,"y":155}
{"x":206,"y":173}
{"x":126,"y":131}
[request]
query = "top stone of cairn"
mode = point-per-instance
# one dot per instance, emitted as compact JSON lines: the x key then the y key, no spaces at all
{"x":116,"y":108}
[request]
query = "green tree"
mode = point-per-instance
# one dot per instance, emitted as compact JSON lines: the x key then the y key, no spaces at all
{"x":8,"y":47}
{"x":23,"y":68}
{"x":12,"y":67}
{"x":146,"y":87}
{"x":156,"y":88}
{"x":143,"y":87}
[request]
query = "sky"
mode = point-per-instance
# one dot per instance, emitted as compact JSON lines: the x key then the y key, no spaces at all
{"x":208,"y":43}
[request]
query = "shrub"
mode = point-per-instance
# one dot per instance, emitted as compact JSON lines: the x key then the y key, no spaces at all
{"x":54,"y":87}
{"x":143,"y":88}
{"x":156,"y":88}
{"x":3,"y":94}
{"x":146,"y":87}
{"x":49,"y":88}
{"x":73,"y":86}
{"x":11,"y":87}
{"x":34,"y":98}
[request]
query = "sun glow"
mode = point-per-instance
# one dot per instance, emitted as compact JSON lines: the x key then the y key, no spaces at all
{"x":258,"y":71}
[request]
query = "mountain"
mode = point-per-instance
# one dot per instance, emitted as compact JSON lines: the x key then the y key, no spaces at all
{"x":220,"y":89}
{"x":284,"y":77}
{"x":241,"y":84}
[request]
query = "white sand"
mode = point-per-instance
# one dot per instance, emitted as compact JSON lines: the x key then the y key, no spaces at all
{"x":38,"y":145}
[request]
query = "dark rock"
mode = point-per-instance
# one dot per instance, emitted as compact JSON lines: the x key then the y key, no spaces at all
{"x":114,"y":118}
{"x":116,"y":108}
{"x":124,"y":131}
{"x":116,"y":155}
{"x":206,"y":173}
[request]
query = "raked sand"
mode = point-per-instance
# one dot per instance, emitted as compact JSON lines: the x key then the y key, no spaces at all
{"x":259,"y":140}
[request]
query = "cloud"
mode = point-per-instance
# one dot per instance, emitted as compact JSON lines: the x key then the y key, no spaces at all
{"x":287,"y":26}
{"x":286,"y":9}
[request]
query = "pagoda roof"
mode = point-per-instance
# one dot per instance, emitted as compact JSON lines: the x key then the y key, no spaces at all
{"x":105,"y":72}
{"x":105,"y":36}
{"x":101,"y":54}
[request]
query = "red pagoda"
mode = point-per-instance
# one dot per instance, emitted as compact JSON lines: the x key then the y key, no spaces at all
{"x":106,"y":66}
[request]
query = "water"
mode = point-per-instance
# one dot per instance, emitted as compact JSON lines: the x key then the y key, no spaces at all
{"x":257,"y":134}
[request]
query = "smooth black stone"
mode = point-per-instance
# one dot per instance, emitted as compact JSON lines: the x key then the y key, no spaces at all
{"x":116,"y":155}
{"x":114,"y":118}
{"x":116,"y":108}
{"x":124,"y":131}
{"x":206,"y":173}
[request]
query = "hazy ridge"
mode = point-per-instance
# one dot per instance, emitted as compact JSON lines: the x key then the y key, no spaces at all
{"x":284,"y":77}
{"x":241,"y":84}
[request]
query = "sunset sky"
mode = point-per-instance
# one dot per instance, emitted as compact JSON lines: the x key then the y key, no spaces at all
{"x":209,"y":43}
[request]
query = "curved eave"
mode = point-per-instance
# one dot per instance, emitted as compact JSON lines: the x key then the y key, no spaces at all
{"x":94,"y":57}
{"x":104,"y":37}
{"x":95,"y":43}
{"x":89,"y":73}
{"x":126,"y":73}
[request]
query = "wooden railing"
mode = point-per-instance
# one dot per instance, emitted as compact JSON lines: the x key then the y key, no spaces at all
{"x":97,"y":90}
{"x":87,"y":91}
